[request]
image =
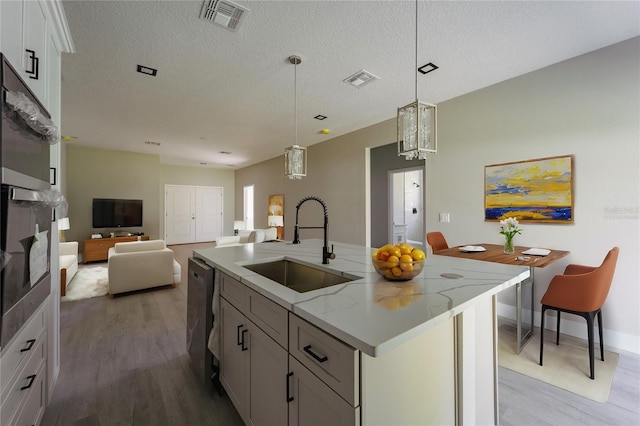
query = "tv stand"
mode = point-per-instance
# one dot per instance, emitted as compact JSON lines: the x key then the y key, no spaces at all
{"x":97,"y":249}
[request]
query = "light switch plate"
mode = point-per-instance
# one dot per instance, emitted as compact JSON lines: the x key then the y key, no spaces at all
{"x":444,"y":217}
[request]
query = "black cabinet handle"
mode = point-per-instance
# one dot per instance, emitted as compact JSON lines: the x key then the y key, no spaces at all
{"x":308,"y":350}
{"x":242,"y":346}
{"x":289,"y":397}
{"x":238,"y":341}
{"x":35,"y":65}
{"x":30,"y":343}
{"x":31,"y":379}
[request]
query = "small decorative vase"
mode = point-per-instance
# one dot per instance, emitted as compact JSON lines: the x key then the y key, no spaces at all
{"x":508,"y":247}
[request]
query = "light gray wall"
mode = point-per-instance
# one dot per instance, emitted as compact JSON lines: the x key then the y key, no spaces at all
{"x":336,"y":174}
{"x":196,"y":176}
{"x":587,"y":106}
{"x":100,"y":173}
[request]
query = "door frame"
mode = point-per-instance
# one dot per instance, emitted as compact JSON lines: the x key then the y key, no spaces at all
{"x":390,"y":195}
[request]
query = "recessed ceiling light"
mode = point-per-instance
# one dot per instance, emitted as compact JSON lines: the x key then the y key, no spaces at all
{"x":147,"y":71}
{"x":427,"y":68}
{"x":360,"y":78}
{"x":320,"y":117}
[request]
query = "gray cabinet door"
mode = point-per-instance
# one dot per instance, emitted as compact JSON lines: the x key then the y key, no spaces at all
{"x":314,"y":403}
{"x":234,"y":371}
{"x":268,"y":370}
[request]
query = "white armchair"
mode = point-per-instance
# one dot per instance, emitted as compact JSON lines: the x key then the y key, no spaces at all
{"x":68,"y":264}
{"x":138,"y":265}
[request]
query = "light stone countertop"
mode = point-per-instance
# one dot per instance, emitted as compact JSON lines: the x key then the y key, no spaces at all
{"x":370,"y":314}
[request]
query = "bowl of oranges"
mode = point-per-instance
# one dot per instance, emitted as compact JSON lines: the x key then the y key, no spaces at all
{"x":400,"y":262}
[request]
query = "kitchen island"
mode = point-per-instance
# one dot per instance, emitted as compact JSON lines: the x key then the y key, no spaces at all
{"x":423,"y":351}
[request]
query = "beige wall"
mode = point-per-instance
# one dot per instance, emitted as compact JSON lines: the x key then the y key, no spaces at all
{"x":195,"y":176}
{"x":587,"y":106}
{"x":336,"y":174}
{"x":99,"y":173}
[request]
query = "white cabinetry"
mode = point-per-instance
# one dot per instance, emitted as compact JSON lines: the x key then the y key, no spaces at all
{"x":25,"y":28}
{"x":253,"y":366}
{"x":269,"y":386}
{"x":314,"y":378}
{"x":315,"y":403}
{"x":23,"y":372}
{"x":39,"y":26}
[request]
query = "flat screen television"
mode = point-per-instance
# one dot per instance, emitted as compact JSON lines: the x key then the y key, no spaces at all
{"x":116,"y":213}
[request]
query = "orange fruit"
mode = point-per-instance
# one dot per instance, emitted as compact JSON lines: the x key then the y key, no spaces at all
{"x":408,"y":267}
{"x":383,"y":255}
{"x":405,"y":248}
{"x":395,"y":251}
{"x":418,"y":254}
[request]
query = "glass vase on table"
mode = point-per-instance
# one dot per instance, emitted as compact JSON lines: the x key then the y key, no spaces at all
{"x":508,"y":246}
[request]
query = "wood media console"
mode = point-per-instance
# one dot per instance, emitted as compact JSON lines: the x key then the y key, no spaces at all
{"x":97,"y":249}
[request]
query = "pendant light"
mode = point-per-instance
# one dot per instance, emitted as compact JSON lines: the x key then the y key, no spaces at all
{"x":295,"y":157}
{"x":417,"y":122}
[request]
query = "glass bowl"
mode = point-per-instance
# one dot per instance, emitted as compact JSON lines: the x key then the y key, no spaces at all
{"x":398,"y":271}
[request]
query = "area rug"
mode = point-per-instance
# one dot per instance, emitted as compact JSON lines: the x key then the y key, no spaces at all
{"x":566,"y":366}
{"x":89,"y":281}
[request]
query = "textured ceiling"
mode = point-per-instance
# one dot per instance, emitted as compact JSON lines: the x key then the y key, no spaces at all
{"x":218,"y":90}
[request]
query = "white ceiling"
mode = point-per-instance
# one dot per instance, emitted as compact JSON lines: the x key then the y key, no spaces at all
{"x":218,"y":90}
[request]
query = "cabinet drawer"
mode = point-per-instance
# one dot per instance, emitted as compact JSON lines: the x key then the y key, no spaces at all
{"x":268,"y":315}
{"x":333,"y":361}
{"x":33,"y":409}
{"x":232,"y":290}
{"x":27,"y":378}
{"x":23,"y":345}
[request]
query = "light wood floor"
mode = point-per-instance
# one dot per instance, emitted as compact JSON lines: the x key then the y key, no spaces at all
{"x":124,"y":362}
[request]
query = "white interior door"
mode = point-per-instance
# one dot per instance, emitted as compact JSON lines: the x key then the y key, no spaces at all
{"x":180,"y":210}
{"x":208,"y":213}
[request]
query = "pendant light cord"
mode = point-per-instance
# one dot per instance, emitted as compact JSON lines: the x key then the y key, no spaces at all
{"x":295,"y":101}
{"x":415,"y":70}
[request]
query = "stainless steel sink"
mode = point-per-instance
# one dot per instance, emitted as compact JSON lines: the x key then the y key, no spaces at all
{"x":298,"y":276}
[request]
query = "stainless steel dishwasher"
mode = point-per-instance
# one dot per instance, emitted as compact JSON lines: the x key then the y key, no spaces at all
{"x":200,"y":318}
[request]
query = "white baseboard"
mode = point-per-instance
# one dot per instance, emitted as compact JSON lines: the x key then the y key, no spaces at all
{"x":613,"y":339}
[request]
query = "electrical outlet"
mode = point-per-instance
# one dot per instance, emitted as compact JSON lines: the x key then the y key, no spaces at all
{"x":444,"y":217}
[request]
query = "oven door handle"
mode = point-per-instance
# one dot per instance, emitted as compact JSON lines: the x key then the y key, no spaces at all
{"x":21,"y":194}
{"x":32,"y":116}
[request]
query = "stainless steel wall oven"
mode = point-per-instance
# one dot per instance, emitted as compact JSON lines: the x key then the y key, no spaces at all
{"x":25,"y":212}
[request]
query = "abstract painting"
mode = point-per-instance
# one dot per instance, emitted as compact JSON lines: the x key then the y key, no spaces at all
{"x":539,"y":190}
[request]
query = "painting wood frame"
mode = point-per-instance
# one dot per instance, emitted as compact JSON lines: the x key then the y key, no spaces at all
{"x":276,"y":213}
{"x":538,"y":190}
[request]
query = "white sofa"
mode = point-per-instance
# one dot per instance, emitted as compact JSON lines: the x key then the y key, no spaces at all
{"x":248,"y":236}
{"x":138,"y":265}
{"x":68,"y":252}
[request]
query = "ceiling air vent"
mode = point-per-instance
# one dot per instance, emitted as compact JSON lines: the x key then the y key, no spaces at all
{"x":224,"y":13}
{"x":360,"y":78}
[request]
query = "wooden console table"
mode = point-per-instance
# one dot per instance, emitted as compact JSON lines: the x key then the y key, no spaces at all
{"x":97,"y":249}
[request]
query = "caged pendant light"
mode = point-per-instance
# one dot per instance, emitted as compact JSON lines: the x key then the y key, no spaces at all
{"x":417,"y":122}
{"x":295,"y":157}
